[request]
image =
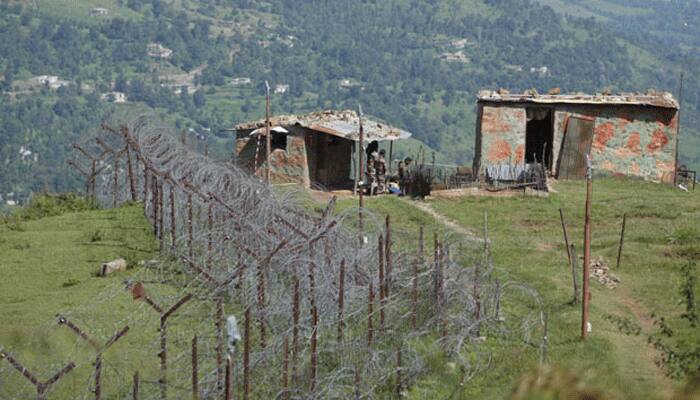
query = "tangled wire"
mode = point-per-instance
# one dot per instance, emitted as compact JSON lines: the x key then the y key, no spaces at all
{"x":328,"y":307}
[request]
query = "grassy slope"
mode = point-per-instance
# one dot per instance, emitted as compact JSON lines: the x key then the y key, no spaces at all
{"x":527,"y":247}
{"x":51,"y":263}
{"x":49,"y":266}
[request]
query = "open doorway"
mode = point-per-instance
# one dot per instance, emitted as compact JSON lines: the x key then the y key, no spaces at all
{"x":539,"y":136}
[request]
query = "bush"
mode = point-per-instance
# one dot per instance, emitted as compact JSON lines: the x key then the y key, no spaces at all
{"x":49,"y":205}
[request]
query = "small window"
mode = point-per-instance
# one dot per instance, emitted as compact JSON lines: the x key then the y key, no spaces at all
{"x":279,"y":141}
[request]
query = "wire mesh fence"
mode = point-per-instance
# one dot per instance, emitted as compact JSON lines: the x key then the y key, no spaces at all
{"x":327,"y":307}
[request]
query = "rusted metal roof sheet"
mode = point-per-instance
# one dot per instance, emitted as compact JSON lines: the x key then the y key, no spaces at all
{"x":344,"y":124}
{"x":652,"y":99}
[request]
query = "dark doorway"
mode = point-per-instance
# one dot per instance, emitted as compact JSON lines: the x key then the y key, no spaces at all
{"x":539,"y":136}
{"x":278,"y":141}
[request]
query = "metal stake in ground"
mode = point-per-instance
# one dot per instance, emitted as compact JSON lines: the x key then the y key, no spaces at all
{"x":195,"y":373}
{"x":138,"y":292}
{"x":586,"y":252}
{"x":574,"y":262}
{"x":566,"y":236}
{"x":135,"y":387}
{"x":41,"y":387}
{"x":99,"y":348}
{"x":387,"y":255}
{"x":622,"y":241}
{"x":341,"y":303}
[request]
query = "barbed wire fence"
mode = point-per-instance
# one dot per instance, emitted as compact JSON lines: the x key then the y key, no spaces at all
{"x":327,"y":305}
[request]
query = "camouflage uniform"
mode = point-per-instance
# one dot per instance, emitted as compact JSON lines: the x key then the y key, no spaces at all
{"x":371,"y":172}
{"x":404,"y":176}
{"x":380,"y":166}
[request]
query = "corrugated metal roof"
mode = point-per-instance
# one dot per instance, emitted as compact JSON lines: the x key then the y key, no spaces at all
{"x":653,"y":99}
{"x":345,"y":124}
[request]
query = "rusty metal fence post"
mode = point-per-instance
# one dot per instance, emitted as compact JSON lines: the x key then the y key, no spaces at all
{"x":99,"y":349}
{"x":622,"y":241}
{"x":41,"y":387}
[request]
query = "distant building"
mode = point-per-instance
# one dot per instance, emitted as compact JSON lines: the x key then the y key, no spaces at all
{"x":242,"y":81}
{"x":99,"y":12}
{"x":541,"y":71}
{"x":157,"y":50}
{"x":626,"y":134}
{"x":319,"y":147}
{"x":461,"y":43}
{"x":51,"y":81}
{"x":281,"y":89}
{"x":114,"y":97}
{"x":458,"y":56}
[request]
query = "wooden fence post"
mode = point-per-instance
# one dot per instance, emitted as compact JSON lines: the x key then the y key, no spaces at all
{"x":382,"y":280}
{"x":246,"y":355}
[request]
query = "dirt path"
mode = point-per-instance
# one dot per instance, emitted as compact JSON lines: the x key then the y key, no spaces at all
{"x":451,"y":224}
{"x":644,"y":350}
{"x":635,"y":356}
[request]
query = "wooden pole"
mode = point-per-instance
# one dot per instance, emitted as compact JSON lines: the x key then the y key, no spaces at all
{"x":145,"y":185}
{"x":566,"y":236}
{"x":228,"y":387}
{"x":436,"y":267}
{"x":267,"y":133}
{"x":161,"y":232}
{"x":361,"y":170}
{"x":341,"y":303}
{"x":414,"y":295}
{"x":246,"y":356}
{"x":210,"y":233}
{"x":370,"y":311}
{"x":190,"y":232}
{"x":220,"y":368}
{"x":314,"y":347}
{"x":586,"y":253}
{"x":622,"y":241}
{"x":173,"y":223}
{"x":195,"y":381}
{"x":382,"y":281}
{"x":387,"y":256}
{"x":295,"y":321}
{"x":129,"y":165}
{"x":115,"y":183}
{"x":135,"y":387}
{"x":261,"y":305}
{"x":285,"y":368}
{"x":391,"y":154}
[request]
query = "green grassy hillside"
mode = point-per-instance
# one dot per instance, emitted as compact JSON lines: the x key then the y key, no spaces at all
{"x":49,"y":266}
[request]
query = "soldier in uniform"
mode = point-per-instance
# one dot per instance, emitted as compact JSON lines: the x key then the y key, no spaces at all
{"x":380,"y":166}
{"x":405,"y":175}
{"x":372,"y":172}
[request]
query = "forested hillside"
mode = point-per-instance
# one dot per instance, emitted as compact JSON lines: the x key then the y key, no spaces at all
{"x":414,"y":63}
